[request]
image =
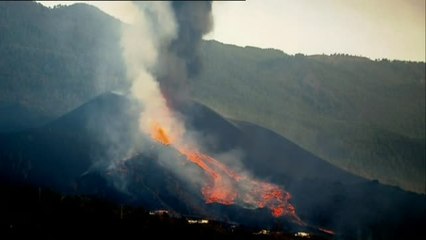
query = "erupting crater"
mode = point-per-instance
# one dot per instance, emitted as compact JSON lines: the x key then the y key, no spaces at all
{"x":226,"y":186}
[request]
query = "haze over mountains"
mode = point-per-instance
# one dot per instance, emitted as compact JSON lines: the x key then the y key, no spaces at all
{"x":367,"y":117}
{"x":364,"y":116}
{"x":317,"y":125}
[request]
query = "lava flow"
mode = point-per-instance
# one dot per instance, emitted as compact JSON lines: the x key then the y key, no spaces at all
{"x":226,"y":186}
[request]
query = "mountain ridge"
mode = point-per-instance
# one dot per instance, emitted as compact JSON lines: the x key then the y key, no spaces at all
{"x":364,"y":116}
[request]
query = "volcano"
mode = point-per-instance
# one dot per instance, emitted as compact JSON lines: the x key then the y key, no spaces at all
{"x":94,"y":150}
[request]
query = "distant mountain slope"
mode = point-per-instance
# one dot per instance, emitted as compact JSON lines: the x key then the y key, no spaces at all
{"x":55,"y":59}
{"x":367,"y":117}
{"x":85,"y":137}
{"x":364,"y":116}
{"x":73,"y":154}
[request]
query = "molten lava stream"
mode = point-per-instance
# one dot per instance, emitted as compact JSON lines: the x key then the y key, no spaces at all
{"x":225,"y":186}
{"x":219,"y":190}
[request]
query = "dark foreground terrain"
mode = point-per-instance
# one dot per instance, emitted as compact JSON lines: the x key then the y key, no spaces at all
{"x":39,"y":212}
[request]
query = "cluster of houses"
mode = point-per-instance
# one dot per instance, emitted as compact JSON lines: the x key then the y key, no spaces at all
{"x":195,"y":220}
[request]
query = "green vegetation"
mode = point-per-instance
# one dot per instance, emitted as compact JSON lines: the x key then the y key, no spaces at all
{"x":365,"y":116}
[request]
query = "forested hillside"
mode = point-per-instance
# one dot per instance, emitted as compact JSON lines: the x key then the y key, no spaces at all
{"x":365,"y":116}
{"x":54,"y":59}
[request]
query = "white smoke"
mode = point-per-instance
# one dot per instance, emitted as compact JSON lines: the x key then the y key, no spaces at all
{"x":143,"y":42}
{"x":148,"y":51}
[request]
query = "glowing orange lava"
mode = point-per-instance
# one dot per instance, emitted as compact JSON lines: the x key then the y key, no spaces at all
{"x":219,"y":190}
{"x":159,"y":134}
{"x":226,"y":186}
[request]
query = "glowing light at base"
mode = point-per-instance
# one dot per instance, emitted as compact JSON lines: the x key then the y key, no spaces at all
{"x":225,"y":186}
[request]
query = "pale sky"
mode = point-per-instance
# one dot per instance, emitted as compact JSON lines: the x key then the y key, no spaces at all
{"x":393,"y":29}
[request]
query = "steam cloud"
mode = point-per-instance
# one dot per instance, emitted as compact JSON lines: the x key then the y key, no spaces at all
{"x":143,"y":43}
{"x":161,"y":54}
{"x":163,"y":45}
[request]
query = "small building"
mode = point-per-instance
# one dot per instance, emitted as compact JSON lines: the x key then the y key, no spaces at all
{"x":302,"y":235}
{"x":198,"y":221}
{"x":263,"y":232}
{"x":160,"y":212}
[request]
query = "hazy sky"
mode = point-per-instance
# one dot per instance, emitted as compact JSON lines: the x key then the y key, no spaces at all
{"x":393,"y":29}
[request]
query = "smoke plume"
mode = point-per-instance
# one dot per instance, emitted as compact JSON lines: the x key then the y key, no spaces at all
{"x":143,"y":43}
{"x":181,"y":60}
{"x":159,"y":49}
{"x":161,"y":53}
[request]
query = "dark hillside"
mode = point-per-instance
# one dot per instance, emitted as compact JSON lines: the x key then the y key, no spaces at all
{"x":363,"y":116}
{"x":73,"y":155}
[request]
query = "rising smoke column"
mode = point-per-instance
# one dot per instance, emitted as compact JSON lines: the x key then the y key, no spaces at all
{"x":181,"y":61}
{"x":161,"y":53}
{"x":144,"y":44}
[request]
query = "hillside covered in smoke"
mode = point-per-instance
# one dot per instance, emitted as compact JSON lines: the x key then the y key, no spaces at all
{"x":361,"y":115}
{"x":150,"y":115}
